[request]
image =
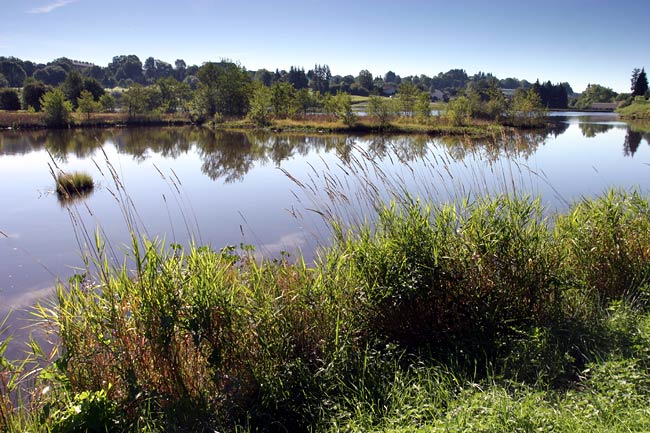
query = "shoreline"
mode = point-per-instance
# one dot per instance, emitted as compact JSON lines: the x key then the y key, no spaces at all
{"x":22,"y":120}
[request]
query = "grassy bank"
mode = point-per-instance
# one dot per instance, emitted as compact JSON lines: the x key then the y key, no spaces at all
{"x":436,"y":126}
{"x":317,"y":124}
{"x":637,"y":110}
{"x":481,"y":315}
{"x":30,"y":120}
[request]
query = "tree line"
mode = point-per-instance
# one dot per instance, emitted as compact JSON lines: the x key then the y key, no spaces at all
{"x":126,"y":70}
{"x":229,"y":89}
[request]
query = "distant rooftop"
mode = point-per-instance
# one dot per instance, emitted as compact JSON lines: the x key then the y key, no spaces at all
{"x":82,"y":64}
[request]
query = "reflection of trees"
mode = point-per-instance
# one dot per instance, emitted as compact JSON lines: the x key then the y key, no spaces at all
{"x":82,"y":143}
{"x":637,"y":130}
{"x":590,"y":130}
{"x":231,"y":155}
{"x":19,"y":142}
{"x":510,"y":144}
{"x":557,"y":128}
{"x":632,"y":142}
{"x":169,"y":142}
{"x":227,"y":155}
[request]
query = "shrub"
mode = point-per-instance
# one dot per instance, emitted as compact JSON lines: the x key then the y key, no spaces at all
{"x":56,"y":108}
{"x":33,"y":91}
{"x":9,"y":100}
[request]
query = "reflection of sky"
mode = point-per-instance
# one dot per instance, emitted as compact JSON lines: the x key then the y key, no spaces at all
{"x":259,"y":209}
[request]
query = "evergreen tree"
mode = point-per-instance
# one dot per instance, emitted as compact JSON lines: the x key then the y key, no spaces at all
{"x":320,"y":78}
{"x":298,"y":78}
{"x":72,"y":87}
{"x":639,"y":82}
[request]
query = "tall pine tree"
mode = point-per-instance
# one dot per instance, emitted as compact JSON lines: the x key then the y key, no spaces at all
{"x":639,"y":82}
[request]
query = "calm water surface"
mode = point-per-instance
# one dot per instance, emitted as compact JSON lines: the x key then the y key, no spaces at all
{"x":227,"y":189}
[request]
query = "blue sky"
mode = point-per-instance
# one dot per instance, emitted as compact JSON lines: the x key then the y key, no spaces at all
{"x":579,"y":41}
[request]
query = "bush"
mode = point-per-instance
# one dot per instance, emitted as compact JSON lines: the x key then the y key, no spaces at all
{"x":33,"y":91}
{"x":9,"y":100}
{"x":88,"y":412}
{"x":56,"y":108}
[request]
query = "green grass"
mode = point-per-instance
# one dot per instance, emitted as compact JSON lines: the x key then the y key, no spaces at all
{"x":480,"y":315}
{"x":435,"y":126}
{"x":69,"y":185}
{"x":637,"y":110}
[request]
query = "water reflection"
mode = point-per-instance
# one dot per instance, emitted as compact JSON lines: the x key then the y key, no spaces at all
{"x":229,"y":156}
{"x":590,"y":130}
{"x":637,"y":131}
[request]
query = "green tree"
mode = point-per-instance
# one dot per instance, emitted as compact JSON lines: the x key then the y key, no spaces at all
{"x":33,"y":91}
{"x":9,"y":100}
{"x":56,"y":108}
{"x":13,"y":71}
{"x":180,"y":70}
{"x":72,"y":87}
{"x":169,"y":100}
{"x":365,"y":80}
{"x":639,"y":82}
{"x":407,"y":94}
{"x":422,"y":107}
{"x":381,"y":109}
{"x":86,"y":104}
{"x":459,"y":110}
{"x":297,"y":78}
{"x":527,"y":107}
{"x":226,"y":88}
{"x":282,"y":99}
{"x":94,"y":87}
{"x":136,"y":100}
{"x":259,"y":105}
{"x":496,"y":106}
{"x":391,"y":77}
{"x":304,"y":101}
{"x":595,"y":93}
{"x":124,"y":68}
{"x":320,"y":78}
{"x":52,"y":75}
{"x":265,"y":77}
{"x":107,"y":102}
{"x":342,"y":104}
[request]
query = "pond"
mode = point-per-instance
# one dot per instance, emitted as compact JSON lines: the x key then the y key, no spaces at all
{"x":269,"y":190}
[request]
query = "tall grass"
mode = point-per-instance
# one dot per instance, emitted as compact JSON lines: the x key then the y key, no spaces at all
{"x":76,"y":184}
{"x":477,"y":314}
{"x":199,"y":340}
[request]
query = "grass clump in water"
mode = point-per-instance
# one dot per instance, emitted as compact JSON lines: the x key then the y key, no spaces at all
{"x":70,"y":185}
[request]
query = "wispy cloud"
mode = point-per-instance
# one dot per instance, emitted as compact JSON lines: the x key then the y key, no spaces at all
{"x":50,"y":7}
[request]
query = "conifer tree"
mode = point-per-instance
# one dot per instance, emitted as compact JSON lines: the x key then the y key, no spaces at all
{"x":639,"y":82}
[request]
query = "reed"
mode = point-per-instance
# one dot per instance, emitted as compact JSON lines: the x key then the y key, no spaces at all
{"x":431,"y":308}
{"x":73,"y":184}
